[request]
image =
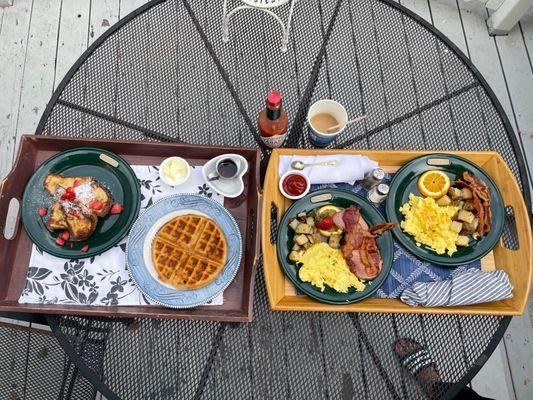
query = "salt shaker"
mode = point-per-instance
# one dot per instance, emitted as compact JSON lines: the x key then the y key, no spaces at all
{"x":373,"y":178}
{"x":378,"y":193}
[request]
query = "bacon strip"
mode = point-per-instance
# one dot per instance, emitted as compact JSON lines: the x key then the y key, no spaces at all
{"x":360,"y":249}
{"x":480,"y":201}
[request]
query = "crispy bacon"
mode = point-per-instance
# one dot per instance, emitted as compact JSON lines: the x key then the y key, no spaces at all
{"x":360,"y":248}
{"x":480,"y":201}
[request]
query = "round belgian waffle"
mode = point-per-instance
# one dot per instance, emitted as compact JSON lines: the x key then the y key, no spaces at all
{"x":189,"y":251}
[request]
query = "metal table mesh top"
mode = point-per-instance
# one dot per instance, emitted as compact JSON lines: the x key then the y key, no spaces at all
{"x":163,"y":73}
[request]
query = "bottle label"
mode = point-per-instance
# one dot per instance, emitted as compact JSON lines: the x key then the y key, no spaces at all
{"x":274,"y":141}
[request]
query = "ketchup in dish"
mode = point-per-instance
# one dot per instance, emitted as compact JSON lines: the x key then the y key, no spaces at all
{"x":294,"y":184}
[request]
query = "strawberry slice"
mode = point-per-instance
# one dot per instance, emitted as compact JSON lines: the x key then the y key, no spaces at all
{"x":85,"y":248}
{"x":65,"y":235}
{"x":77,"y":182}
{"x":42,"y":211}
{"x":71,"y":245}
{"x":116,"y":208}
{"x":60,"y":241}
{"x":96,"y":205}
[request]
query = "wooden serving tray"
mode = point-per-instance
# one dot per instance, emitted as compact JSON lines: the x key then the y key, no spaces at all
{"x":518,"y":263}
{"x":16,"y":252}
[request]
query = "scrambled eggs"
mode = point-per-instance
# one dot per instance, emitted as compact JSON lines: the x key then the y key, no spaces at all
{"x":430,"y":223}
{"x":325,"y":265}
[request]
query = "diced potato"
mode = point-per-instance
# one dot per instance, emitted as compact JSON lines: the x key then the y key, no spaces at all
{"x":454,"y":193}
{"x":334,"y":241}
{"x":456,"y":226}
{"x":301,"y":239}
{"x":317,"y":237}
{"x":307,"y":245}
{"x":310,"y":221}
{"x":466,"y":194}
{"x":302,"y":215}
{"x":466,"y":216}
{"x":304,"y":228}
{"x":293,"y":224}
{"x":311,"y":238}
{"x":471,"y":227}
{"x":459,"y":204}
{"x":295,"y":255}
{"x":455,"y":216}
{"x":296,"y":247}
{"x":444,"y":201}
{"x":469,"y":206}
{"x":462,"y":240}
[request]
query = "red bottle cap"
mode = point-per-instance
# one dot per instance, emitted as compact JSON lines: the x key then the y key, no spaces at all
{"x":274,"y":99}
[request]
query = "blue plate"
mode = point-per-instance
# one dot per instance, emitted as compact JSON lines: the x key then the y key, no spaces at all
{"x":138,"y":252}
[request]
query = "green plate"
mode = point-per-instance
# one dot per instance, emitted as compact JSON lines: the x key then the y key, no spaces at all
{"x":344,"y":199}
{"x":405,"y":182}
{"x":82,"y":161}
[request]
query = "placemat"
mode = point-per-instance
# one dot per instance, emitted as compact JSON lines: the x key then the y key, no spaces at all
{"x":406,"y":268}
{"x":103,"y":280}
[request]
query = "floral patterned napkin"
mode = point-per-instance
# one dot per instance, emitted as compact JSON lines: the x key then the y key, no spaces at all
{"x":103,"y":280}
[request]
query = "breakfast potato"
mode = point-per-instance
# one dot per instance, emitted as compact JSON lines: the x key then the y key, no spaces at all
{"x":311,"y":239}
{"x":295,"y":255}
{"x":307,"y":245}
{"x":466,"y":216}
{"x":462,"y":240}
{"x":444,"y":201}
{"x":466,"y":194}
{"x":304,"y":228}
{"x":469,"y":206}
{"x":317,"y":237}
{"x":459,"y":204}
{"x":296,"y":247}
{"x":301,"y":239}
{"x":293,"y":224}
{"x":455,"y":193}
{"x":471,"y":227}
{"x":334,"y":241}
{"x":310,"y":221}
{"x":456,"y":226}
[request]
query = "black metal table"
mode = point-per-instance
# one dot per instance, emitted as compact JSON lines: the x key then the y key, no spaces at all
{"x":163,"y":73}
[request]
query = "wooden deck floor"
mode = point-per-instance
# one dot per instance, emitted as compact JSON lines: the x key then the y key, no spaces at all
{"x":41,"y":39}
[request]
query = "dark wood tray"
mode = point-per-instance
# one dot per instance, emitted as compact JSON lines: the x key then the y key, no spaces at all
{"x":15,"y":253}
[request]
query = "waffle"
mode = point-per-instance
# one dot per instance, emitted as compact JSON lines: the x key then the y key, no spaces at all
{"x":189,"y":251}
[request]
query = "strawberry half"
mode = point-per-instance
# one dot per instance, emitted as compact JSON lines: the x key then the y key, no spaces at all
{"x":85,"y":248}
{"x":96,"y":205}
{"x":65,"y":235}
{"x":60,"y":241}
{"x":42,"y":211}
{"x":116,"y":208}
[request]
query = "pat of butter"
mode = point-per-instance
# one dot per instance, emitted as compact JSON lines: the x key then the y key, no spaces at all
{"x":175,"y":170}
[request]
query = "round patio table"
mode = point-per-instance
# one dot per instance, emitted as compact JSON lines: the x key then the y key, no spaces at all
{"x":163,"y":73}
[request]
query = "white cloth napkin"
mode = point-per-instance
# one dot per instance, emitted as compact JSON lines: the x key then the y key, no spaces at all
{"x":103,"y":280}
{"x":471,"y":287}
{"x":349,"y":168}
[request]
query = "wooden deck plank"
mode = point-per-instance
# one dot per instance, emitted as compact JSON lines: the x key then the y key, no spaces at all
{"x":37,"y":85}
{"x":447,"y":19}
{"x":419,"y":7}
{"x":73,"y":36}
{"x":13,"y":42}
{"x":130,"y":5}
{"x":104,"y":13}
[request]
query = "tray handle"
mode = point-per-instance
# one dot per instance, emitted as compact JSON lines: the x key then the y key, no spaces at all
{"x":10,"y":205}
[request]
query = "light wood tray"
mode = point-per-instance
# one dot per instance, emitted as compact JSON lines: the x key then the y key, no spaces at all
{"x":517,"y":263}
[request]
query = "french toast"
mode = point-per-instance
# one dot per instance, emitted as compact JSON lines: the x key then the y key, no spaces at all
{"x":189,"y":251}
{"x":79,"y":202}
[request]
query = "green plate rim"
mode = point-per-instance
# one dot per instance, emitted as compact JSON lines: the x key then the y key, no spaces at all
{"x":306,"y":287}
{"x":77,"y":253}
{"x":406,"y":241}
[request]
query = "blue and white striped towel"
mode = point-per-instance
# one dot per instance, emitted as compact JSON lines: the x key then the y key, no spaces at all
{"x":470,"y":287}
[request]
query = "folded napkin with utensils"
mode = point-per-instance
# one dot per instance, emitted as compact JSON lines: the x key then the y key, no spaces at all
{"x":470,"y":287}
{"x":349,"y":167}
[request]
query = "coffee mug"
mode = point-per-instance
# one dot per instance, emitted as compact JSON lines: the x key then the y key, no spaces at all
{"x":335,"y":109}
{"x":225,"y":169}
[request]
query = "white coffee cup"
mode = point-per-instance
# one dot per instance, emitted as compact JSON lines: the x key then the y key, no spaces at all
{"x":337,"y":110}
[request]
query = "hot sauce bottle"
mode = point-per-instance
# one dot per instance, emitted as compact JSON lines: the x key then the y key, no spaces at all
{"x":273,"y":121}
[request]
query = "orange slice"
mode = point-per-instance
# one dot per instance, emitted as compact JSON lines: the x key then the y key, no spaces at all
{"x":434,"y":184}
